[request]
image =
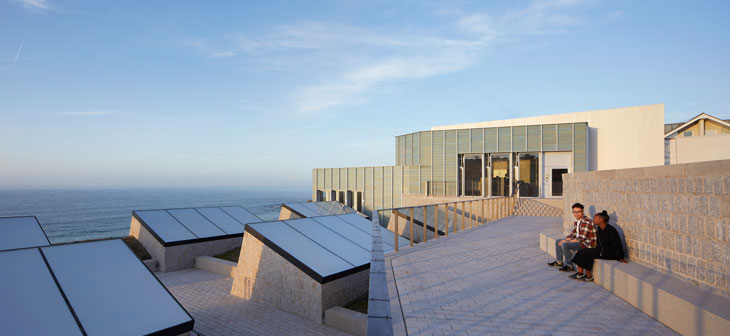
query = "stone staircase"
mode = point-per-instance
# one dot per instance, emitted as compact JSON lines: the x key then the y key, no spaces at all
{"x":538,"y":207}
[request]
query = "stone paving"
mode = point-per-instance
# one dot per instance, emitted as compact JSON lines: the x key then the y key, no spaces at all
{"x":494,"y":280}
{"x":206,"y":296}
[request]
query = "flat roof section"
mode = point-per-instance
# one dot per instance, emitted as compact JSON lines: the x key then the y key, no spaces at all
{"x":192,"y":225}
{"x":314,"y":209}
{"x":112,"y":292}
{"x":21,"y":232}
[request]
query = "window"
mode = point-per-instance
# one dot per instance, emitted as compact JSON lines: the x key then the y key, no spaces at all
{"x":687,"y":134}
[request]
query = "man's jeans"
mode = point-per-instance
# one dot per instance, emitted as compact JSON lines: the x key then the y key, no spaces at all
{"x":565,"y":252}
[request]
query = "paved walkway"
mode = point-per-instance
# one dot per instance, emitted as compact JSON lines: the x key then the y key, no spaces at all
{"x":206,"y":296}
{"x":494,"y":280}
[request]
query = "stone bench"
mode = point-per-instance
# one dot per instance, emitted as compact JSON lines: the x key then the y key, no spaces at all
{"x":682,"y":306}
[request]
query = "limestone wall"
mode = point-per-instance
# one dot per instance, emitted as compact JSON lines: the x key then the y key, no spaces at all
{"x":263,"y":275}
{"x":285,"y":214}
{"x":173,"y":258}
{"x":676,"y":219}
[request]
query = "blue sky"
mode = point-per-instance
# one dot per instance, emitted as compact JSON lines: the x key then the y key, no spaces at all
{"x":243,"y":94}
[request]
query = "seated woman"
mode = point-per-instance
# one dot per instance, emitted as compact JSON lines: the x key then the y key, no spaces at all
{"x":608,"y":247}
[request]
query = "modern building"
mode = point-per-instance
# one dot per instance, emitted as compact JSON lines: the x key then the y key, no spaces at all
{"x":702,"y":138}
{"x":488,"y":159}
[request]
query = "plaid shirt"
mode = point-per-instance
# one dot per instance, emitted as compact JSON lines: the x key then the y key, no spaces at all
{"x":586,"y":232}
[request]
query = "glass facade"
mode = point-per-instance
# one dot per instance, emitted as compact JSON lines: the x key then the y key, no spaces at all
{"x":453,"y":163}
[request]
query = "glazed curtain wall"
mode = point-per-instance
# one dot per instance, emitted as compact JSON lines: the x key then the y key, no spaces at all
{"x":433,"y":156}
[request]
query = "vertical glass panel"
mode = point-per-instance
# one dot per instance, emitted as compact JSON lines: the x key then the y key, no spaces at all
{"x":378,"y":187}
{"x":472,"y":174}
{"x":416,"y":148}
{"x":196,"y":223}
{"x":328,"y":178}
{"x":464,"y":138}
{"x":534,"y":138}
{"x":397,"y":185}
{"x":505,"y":139}
{"x":490,"y":140}
{"x":477,"y":140}
{"x":557,"y":181}
{"x":529,"y":170}
{"x":401,"y":150}
{"x":425,"y":158}
{"x":580,"y":152}
{"x":549,"y":137}
{"x":20,"y":232}
{"x":30,"y":302}
{"x":500,"y":175}
{"x":368,"y":204}
{"x":409,"y":149}
{"x":565,"y":137}
{"x":413,"y":179}
{"x":519,"y":138}
{"x":343,"y":179}
{"x":320,"y":179}
{"x":451,"y":165}
{"x":351,"y":174}
{"x":438,"y":163}
{"x":387,"y":187}
{"x":360,"y":171}
{"x":111,"y":291}
{"x":336,"y":179}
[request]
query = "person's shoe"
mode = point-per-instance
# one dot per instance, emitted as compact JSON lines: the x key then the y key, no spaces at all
{"x":567,"y":268}
{"x":576,"y":275}
{"x":588,"y":278}
{"x":555,"y":264}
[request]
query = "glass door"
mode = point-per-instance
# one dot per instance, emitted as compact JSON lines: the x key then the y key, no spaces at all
{"x":528,"y":171}
{"x":499,"y":178}
{"x":472,"y":176}
{"x":557,"y":181}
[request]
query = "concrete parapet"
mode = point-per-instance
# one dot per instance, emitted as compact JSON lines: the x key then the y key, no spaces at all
{"x":216,"y":265}
{"x":686,"y":308}
{"x":346,"y":320}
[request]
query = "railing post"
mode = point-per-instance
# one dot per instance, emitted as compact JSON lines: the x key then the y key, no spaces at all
{"x":395,"y":244}
{"x":411,"y":227}
{"x":436,"y":222}
{"x":456,"y":220}
{"x":481,"y":212}
{"x":471,"y":213}
{"x":446,"y":223}
{"x":463,"y":216}
{"x":425,"y":223}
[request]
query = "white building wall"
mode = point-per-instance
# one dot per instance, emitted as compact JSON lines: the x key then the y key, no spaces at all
{"x":698,"y":149}
{"x":627,"y":137}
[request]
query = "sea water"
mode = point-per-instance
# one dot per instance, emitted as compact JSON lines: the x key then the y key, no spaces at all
{"x":80,"y":214}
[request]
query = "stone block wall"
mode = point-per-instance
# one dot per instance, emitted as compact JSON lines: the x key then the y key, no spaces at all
{"x":265,"y":276}
{"x":675,"y":219}
{"x":173,"y":258}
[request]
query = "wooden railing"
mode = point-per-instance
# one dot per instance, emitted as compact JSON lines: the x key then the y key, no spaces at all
{"x":463,"y":214}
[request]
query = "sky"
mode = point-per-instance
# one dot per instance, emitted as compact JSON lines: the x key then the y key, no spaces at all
{"x":256,"y":94}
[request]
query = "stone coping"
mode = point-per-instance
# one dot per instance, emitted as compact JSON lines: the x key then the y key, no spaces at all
{"x":349,"y":321}
{"x":216,"y":265}
{"x":682,"y":306}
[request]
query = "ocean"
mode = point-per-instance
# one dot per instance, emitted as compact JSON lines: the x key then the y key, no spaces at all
{"x":79,"y":214}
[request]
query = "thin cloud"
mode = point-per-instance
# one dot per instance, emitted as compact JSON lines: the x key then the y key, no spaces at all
{"x":17,"y":55}
{"x":35,"y":5}
{"x":203,"y":48}
{"x":86,"y":113}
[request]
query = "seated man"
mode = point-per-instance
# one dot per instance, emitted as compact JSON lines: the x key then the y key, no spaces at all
{"x":609,"y":247}
{"x":582,"y":236}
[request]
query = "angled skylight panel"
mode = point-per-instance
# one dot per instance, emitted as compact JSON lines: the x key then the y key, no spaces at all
{"x":21,"y":232}
{"x":222,"y":220}
{"x":344,"y":229}
{"x":303,"y":209}
{"x":365,"y":224}
{"x":196,"y":223}
{"x":331,"y":241}
{"x":240,"y":214}
{"x":166,"y":227}
{"x":324,"y":263}
{"x":112,"y":292}
{"x":30,"y":301}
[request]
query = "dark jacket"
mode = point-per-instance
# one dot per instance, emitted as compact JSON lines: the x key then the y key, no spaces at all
{"x":609,"y":243}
